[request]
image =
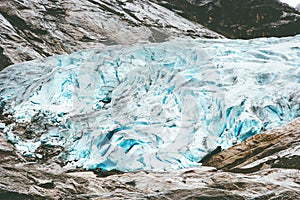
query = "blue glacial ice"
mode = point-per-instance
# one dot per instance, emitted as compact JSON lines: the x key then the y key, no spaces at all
{"x":153,"y":106}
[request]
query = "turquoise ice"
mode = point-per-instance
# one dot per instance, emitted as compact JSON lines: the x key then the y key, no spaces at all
{"x":153,"y":106}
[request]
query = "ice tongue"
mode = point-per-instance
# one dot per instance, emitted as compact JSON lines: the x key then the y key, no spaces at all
{"x":152,"y":106}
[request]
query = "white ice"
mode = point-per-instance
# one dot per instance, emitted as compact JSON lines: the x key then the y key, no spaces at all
{"x":153,"y":106}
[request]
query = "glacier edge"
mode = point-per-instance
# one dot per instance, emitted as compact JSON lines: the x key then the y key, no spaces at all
{"x":156,"y":107}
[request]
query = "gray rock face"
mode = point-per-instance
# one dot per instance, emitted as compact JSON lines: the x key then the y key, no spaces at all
{"x":278,"y":148}
{"x":37,"y":28}
{"x":240,"y":18}
{"x":265,"y":166}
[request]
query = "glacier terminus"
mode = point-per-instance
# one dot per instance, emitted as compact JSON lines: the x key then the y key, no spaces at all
{"x":152,"y":106}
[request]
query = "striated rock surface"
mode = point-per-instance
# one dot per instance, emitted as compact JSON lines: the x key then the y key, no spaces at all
{"x":36,"y":28}
{"x":231,"y":177}
{"x":240,"y":18}
{"x":276,"y":148}
{"x":33,"y":29}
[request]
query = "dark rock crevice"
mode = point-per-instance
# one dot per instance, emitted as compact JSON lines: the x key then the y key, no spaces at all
{"x":4,"y":60}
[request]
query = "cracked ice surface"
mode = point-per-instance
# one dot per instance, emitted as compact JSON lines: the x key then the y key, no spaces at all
{"x":153,"y":106}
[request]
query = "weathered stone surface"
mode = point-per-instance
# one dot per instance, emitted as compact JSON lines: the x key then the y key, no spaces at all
{"x":277,"y":152}
{"x":278,"y":148}
{"x":32,"y":180}
{"x":4,"y":146}
{"x":36,"y":28}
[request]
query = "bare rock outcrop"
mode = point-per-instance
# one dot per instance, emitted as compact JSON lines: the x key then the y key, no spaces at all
{"x":278,"y":148}
{"x":37,"y":28}
{"x":265,"y":166}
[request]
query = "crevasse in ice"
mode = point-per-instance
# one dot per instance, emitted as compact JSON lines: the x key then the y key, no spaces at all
{"x":153,"y":106}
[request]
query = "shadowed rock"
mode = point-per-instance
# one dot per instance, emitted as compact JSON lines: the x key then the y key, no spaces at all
{"x":240,"y":18}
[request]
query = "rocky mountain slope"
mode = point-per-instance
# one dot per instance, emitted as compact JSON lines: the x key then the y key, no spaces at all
{"x":33,"y":29}
{"x":36,"y":29}
{"x":240,"y":19}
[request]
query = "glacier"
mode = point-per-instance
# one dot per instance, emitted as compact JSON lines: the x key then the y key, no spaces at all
{"x":151,"y":106}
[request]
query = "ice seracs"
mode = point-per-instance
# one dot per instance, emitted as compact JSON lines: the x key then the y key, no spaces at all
{"x":153,"y":106}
